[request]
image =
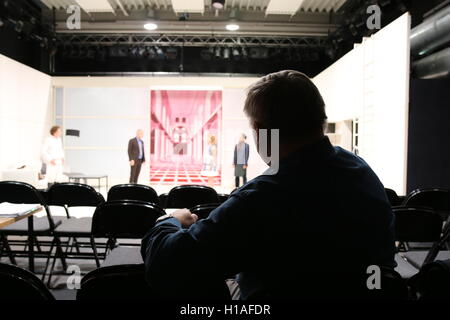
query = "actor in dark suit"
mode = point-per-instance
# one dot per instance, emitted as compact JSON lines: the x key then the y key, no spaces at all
{"x":136,"y":155}
{"x":240,"y":161}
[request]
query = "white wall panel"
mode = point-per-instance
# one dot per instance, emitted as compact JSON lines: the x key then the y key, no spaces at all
{"x":26,"y":112}
{"x":372,"y":83}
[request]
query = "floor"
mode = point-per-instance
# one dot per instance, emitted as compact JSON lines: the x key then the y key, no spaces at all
{"x":180,"y":174}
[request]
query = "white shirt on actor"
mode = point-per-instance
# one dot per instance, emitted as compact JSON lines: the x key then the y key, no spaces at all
{"x":53,"y":155}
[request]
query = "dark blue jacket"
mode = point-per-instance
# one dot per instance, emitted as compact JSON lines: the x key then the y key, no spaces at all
{"x":324,"y":213}
{"x":247,"y":154}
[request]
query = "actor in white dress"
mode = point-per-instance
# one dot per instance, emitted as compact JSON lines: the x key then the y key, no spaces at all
{"x":53,"y":155}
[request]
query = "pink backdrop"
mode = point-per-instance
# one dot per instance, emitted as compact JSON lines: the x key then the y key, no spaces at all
{"x":182,"y":121}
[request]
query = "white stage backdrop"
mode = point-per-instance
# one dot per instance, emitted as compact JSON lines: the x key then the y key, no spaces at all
{"x":371,"y":83}
{"x":108,"y":117}
{"x":26,"y":113}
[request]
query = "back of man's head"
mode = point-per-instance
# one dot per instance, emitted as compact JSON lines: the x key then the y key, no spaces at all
{"x":289,"y":101}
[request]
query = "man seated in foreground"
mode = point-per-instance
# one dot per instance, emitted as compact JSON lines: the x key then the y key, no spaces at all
{"x":298,"y":232}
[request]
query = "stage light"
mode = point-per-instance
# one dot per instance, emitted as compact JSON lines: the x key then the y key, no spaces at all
{"x":232,"y":27}
{"x":150,"y":26}
{"x":217,"y":52}
{"x":218,"y":4}
{"x":226,"y":53}
{"x":236,"y":53}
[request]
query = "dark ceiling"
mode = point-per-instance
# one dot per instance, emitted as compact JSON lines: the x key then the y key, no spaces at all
{"x":30,"y":33}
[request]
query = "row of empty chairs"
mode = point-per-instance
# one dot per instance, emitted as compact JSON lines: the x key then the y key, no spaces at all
{"x":127,"y":282}
{"x":422,"y":228}
{"x":131,"y":210}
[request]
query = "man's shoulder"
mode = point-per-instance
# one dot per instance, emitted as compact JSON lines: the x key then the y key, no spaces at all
{"x":256,"y":187}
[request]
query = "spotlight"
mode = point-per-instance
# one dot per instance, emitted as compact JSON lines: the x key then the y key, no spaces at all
{"x":217,"y":52}
{"x":218,"y":4}
{"x":226,"y":53}
{"x":236,"y":53}
{"x":150,"y":52}
{"x":150,"y":26}
{"x":1,"y":23}
{"x":159,"y":53}
{"x":232,"y":27}
{"x":244,"y":53}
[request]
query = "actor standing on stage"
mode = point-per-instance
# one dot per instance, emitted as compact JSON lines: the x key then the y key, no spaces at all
{"x":136,"y":155}
{"x":240,"y":161}
{"x":53,"y":156}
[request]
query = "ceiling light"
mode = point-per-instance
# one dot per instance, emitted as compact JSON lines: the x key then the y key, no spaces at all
{"x":232,"y":27}
{"x":218,"y":4}
{"x":150,"y":26}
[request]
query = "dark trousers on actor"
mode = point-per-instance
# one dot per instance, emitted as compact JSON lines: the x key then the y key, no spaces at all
{"x":135,"y":170}
{"x":244,"y":181}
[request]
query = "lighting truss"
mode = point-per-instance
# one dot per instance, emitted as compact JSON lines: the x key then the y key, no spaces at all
{"x":188,"y":41}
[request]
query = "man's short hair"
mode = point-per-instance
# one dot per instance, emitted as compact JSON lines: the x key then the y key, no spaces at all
{"x":54,"y":129}
{"x":289,"y":101}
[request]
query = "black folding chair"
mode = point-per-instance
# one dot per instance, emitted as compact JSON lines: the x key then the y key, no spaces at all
{"x":133,"y":192}
{"x":119,"y":282}
{"x":20,"y":192}
{"x":69,"y":195}
{"x":188,"y":196}
{"x":436,"y":199}
{"x":432,"y":282}
{"x":21,"y":285}
{"x":125,"y":219}
{"x":392,"y":197}
{"x":203,"y":210}
{"x":416,"y":225}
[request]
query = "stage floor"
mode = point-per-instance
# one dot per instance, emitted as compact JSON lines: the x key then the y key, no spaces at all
{"x":179,"y":174}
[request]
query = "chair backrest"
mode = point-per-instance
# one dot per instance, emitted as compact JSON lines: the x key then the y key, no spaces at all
{"x":203,"y":210}
{"x":223,"y":197}
{"x":19,"y":284}
{"x":436,"y":199}
{"x":120,"y":282}
{"x":21,"y":192}
{"x":188,"y":196}
{"x":74,"y":195}
{"x":417,"y":225}
{"x":128,"y":219}
{"x":133,"y":192}
{"x":432,"y":282}
{"x":392,"y":197}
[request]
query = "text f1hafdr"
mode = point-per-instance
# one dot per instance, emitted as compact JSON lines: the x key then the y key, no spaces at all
{"x":227,"y":309}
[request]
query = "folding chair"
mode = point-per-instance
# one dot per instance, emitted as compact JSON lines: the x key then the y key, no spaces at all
{"x":120,"y":282}
{"x":20,"y":192}
{"x":203,"y":210}
{"x":416,"y":225}
{"x":131,"y":191}
{"x":188,"y":196}
{"x":125,"y":219}
{"x":21,"y":285}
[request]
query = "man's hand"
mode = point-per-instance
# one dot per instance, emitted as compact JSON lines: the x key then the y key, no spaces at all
{"x":185,"y":217}
{"x":245,"y":167}
{"x":131,"y":162}
{"x":53,"y":162}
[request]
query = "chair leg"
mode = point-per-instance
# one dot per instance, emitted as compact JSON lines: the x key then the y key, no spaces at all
{"x":77,"y":247}
{"x":94,"y":249}
{"x":48,"y":261}
{"x":60,"y":252}
{"x":7,"y":248}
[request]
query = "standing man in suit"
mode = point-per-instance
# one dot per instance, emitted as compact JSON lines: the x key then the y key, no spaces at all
{"x":240,"y":161}
{"x":136,"y":155}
